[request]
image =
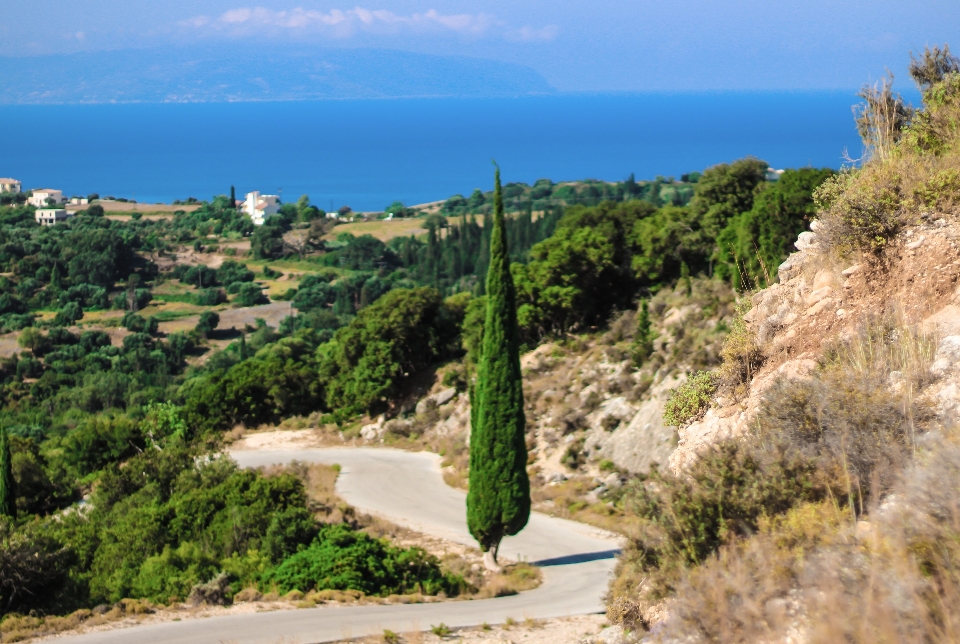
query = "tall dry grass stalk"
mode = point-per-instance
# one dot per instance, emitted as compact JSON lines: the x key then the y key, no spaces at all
{"x":890,"y":351}
{"x":881,"y":118}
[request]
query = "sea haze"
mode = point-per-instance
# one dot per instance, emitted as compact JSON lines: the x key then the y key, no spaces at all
{"x":228,"y":72}
{"x":368,"y":153}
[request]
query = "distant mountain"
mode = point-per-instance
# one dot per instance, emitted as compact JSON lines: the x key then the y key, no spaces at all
{"x":205,"y":74}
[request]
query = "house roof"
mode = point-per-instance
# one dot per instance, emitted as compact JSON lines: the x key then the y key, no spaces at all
{"x":8,"y":180}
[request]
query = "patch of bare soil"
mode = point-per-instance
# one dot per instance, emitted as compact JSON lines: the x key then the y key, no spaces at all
{"x":272,"y":313}
{"x":564,"y":630}
{"x":8,"y":344}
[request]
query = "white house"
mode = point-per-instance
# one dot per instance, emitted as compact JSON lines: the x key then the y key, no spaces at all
{"x":51,"y":216}
{"x":10,"y":185}
{"x":41,"y":195}
{"x":79,"y":201}
{"x":773,"y":175}
{"x":260,"y":207}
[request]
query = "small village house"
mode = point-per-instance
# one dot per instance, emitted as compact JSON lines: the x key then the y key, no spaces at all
{"x":51,"y":216}
{"x":260,"y":207}
{"x":42,"y":197}
{"x":10,"y":185}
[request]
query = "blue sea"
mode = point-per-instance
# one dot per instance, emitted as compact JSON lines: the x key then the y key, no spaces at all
{"x":369,"y":153}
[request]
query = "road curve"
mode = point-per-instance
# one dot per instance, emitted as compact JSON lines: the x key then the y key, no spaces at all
{"x":408,"y":489}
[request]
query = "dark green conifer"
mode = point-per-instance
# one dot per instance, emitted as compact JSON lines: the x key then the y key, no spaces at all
{"x":498,"y":503}
{"x":8,"y":495}
{"x":643,"y":339}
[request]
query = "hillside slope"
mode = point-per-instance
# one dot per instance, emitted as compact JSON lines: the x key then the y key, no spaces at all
{"x":822,"y":300}
{"x":812,"y":494}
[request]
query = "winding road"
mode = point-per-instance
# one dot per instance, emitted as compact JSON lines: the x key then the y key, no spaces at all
{"x":408,"y":489}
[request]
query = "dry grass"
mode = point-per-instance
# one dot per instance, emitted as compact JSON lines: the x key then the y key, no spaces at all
{"x":512,"y":579}
{"x":18,"y":628}
{"x":860,"y":416}
{"x":918,"y":178}
{"x":568,"y":500}
{"x":385,"y":230}
{"x":869,"y":556}
{"x":819,"y":577}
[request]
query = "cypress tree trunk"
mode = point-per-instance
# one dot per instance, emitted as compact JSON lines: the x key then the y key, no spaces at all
{"x":8,"y":496}
{"x":498,"y":502}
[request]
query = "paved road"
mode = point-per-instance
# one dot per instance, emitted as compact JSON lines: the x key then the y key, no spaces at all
{"x":408,"y":489}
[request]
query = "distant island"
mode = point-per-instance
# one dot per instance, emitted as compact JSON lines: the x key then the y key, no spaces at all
{"x":231,"y":74}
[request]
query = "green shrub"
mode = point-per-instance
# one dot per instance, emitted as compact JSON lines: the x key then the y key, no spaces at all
{"x":343,"y":559}
{"x":250,"y":294}
{"x":860,"y":210}
{"x":208,"y":322}
{"x":70,"y":313}
{"x":173,"y":573}
{"x":941,"y":191}
{"x":690,"y":399}
{"x":440,"y":630}
{"x":368,"y":361}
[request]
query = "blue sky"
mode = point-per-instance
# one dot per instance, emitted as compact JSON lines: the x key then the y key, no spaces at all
{"x":600,"y":45}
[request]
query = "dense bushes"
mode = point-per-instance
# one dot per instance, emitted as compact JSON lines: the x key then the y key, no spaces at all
{"x":343,"y":559}
{"x":171,"y":519}
{"x":280,"y":380}
{"x":756,"y":241}
{"x":581,"y":273}
{"x":368,"y":361}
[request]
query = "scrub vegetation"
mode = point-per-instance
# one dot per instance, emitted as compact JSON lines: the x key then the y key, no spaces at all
{"x":112,"y":487}
{"x":833,"y":518}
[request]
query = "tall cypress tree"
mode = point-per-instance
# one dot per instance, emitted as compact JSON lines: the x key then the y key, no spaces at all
{"x":498,"y":503}
{"x":8,"y":495}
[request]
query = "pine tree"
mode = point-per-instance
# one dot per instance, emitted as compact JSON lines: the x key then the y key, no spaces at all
{"x":8,"y":496}
{"x":233,"y":197}
{"x":498,"y":503}
{"x":643,"y":339}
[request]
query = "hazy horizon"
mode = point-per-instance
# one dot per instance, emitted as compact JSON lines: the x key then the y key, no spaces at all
{"x":606,"y":46}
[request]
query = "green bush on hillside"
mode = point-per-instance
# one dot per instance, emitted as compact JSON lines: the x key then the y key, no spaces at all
{"x":690,"y":399}
{"x":343,"y":559}
{"x":368,"y":361}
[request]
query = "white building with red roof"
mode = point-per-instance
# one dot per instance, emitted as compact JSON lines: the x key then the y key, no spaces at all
{"x":260,"y":207}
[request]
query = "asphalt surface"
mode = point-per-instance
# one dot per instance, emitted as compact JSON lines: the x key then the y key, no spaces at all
{"x":408,"y":489}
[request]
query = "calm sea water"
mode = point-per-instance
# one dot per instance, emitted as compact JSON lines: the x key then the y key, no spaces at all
{"x":369,"y":153}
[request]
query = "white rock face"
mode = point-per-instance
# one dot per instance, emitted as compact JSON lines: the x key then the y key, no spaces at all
{"x":806,"y":241}
{"x":948,"y":355}
{"x":641,"y":439}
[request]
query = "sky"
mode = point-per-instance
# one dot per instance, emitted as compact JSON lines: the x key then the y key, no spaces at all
{"x":585,"y":46}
